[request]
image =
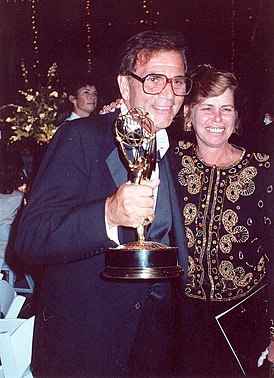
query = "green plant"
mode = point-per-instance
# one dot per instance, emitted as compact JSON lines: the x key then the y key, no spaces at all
{"x":35,"y":117}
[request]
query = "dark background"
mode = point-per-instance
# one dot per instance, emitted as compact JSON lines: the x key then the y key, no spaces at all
{"x":237,"y":35}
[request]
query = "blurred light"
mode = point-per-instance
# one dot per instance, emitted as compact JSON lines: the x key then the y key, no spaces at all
{"x":35,"y":33}
{"x":88,"y":28}
{"x":232,"y":48}
{"x":150,"y":12}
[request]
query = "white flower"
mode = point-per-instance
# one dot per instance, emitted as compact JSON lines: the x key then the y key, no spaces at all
{"x":19,"y":109}
{"x":9,"y":119}
{"x":30,"y":119}
{"x":53,"y":94}
{"x":28,"y":128}
{"x":42,"y":115}
{"x":29,"y":97}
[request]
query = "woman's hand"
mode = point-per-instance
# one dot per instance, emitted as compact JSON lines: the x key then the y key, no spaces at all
{"x":111,"y":107}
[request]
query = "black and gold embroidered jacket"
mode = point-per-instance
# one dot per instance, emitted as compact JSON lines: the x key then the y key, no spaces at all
{"x":228,"y":216}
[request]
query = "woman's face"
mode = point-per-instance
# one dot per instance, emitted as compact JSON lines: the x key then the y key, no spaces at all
{"x":85,"y":102}
{"x":213,"y":119}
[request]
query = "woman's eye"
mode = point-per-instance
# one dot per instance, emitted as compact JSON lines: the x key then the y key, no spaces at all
{"x":227,"y":110}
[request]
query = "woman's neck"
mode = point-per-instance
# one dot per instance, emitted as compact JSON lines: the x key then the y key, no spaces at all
{"x":224,"y":156}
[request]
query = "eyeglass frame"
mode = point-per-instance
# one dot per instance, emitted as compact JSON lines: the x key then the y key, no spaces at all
{"x":168,"y":80}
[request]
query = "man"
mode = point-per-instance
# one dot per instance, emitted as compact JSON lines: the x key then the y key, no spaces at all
{"x":81,"y":204}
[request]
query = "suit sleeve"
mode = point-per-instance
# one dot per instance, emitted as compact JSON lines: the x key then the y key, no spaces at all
{"x":59,"y":223}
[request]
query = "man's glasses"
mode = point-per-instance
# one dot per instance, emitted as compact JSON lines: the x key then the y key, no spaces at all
{"x":155,"y":83}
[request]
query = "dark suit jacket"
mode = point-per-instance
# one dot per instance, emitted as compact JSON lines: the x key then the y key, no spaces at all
{"x":83,"y":323}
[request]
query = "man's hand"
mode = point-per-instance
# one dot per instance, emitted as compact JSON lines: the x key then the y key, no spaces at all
{"x":270,"y":355}
{"x":131,"y":204}
{"x":111,"y":107}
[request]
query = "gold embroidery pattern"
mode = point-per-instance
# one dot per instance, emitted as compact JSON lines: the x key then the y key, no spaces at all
{"x":191,"y":285}
{"x":226,"y":244}
{"x":190,"y":213}
{"x":233,"y":278}
{"x":236,"y":234}
{"x":230,"y":219}
{"x":261,"y":157}
{"x":189,"y":237}
{"x":261,"y":264}
{"x":187,"y":176}
{"x":191,"y":265}
{"x":241,"y":184}
{"x":184,"y":145}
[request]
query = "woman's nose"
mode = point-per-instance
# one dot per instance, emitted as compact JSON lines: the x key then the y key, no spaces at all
{"x":217,"y":115}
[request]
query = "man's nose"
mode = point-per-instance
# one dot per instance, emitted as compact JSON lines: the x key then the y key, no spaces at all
{"x":167,"y":91}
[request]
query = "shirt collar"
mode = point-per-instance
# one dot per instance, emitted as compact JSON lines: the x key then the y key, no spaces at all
{"x":72,"y":117}
{"x":162,"y":142}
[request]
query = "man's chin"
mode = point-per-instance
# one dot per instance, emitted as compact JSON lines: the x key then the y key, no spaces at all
{"x":162,"y":125}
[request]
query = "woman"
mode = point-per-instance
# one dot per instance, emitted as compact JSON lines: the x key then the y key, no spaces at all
{"x":81,"y":100}
{"x":226,"y":195}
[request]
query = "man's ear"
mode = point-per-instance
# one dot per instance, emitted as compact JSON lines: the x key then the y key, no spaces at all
{"x":72,"y":99}
{"x":124,"y":86}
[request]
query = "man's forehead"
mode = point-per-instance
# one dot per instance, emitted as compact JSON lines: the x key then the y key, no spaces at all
{"x":145,"y":56}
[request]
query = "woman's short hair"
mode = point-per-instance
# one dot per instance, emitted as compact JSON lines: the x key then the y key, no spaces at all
{"x":210,"y":82}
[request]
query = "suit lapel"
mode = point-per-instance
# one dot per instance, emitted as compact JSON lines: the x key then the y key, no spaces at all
{"x":116,"y":168}
{"x":119,"y":175}
{"x":177,"y":222}
{"x":113,"y":160}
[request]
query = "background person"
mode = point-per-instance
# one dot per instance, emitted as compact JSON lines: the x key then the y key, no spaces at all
{"x":226,"y":197}
{"x":81,"y":100}
{"x":81,"y":204}
{"x":11,"y":197}
{"x":268,"y":119}
{"x":266,"y":138}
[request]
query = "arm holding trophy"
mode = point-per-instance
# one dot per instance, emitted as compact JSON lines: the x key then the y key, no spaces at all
{"x":136,"y":135}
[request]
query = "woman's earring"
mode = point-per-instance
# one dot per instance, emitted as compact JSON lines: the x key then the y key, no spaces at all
{"x":188,"y":126}
{"x":236,"y":129}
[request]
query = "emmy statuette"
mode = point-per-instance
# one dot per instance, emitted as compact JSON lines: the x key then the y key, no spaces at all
{"x":141,"y":259}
